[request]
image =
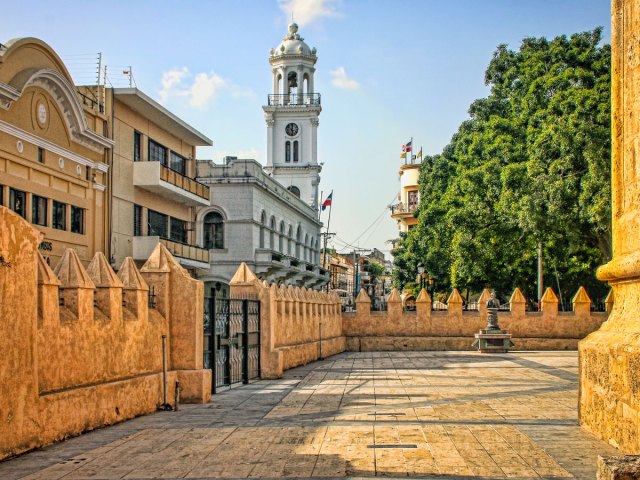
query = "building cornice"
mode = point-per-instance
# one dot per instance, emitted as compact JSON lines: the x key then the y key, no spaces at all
{"x":51,"y":147}
{"x":308,"y":213}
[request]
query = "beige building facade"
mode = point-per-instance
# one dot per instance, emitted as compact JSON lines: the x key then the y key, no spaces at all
{"x":54,"y":151}
{"x":409,"y":197}
{"x":155,"y":194}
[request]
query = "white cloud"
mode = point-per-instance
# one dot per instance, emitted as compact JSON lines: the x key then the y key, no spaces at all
{"x":171,"y":79}
{"x":200,"y":88}
{"x":308,"y":11}
{"x":204,"y":88}
{"x":340,"y":79}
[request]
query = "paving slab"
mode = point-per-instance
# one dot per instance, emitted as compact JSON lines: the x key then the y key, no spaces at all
{"x":445,"y":415}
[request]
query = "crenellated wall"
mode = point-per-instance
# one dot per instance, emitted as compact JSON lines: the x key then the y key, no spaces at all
{"x":298,"y":325}
{"x":82,"y":348}
{"x":454,"y":328}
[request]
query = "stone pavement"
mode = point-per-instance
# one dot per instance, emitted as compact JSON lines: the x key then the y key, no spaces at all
{"x":399,"y":414}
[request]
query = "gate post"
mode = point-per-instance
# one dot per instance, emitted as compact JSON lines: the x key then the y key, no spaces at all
{"x":213,"y":343}
{"x":245,"y":341}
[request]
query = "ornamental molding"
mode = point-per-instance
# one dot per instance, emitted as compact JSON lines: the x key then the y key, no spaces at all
{"x":65,"y":96}
{"x":51,"y":147}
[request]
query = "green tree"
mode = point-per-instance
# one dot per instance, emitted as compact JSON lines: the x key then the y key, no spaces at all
{"x":531,"y":164}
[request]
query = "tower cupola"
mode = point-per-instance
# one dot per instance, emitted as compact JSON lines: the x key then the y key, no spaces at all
{"x":291,"y":114}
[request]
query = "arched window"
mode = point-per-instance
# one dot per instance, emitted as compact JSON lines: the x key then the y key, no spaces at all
{"x":305,"y":84}
{"x":289,"y":240}
{"x":213,"y":230}
{"x":295,"y":190}
{"x":306,"y":247}
{"x":287,"y":151}
{"x":281,"y":238}
{"x":298,"y":241}
{"x":295,"y":151}
{"x":263,"y":226}
{"x":272,"y":234}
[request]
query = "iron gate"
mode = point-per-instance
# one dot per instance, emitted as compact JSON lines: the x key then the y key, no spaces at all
{"x":231,"y":340}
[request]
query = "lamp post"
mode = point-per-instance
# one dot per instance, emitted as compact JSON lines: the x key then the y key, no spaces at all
{"x":421,"y":275}
{"x":431,"y":282}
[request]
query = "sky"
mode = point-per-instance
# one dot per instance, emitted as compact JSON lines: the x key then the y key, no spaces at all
{"x":388,"y":70}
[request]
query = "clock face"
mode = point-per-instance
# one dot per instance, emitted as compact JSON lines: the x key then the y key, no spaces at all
{"x":291,"y":129}
{"x":42,"y":113}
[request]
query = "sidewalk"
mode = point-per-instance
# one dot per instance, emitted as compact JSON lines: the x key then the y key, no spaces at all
{"x":416,"y":414}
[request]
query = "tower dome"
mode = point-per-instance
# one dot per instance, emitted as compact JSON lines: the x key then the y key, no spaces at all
{"x":293,"y":44}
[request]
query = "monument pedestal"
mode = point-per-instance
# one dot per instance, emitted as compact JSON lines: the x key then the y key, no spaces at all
{"x":493,"y":341}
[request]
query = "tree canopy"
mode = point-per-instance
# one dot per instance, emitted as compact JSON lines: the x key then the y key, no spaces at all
{"x":531,"y":164}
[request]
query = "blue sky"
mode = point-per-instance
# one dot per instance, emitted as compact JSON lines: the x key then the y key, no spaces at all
{"x":387,"y":70}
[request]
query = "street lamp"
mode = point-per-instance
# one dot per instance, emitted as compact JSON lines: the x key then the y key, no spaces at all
{"x":421,"y":275}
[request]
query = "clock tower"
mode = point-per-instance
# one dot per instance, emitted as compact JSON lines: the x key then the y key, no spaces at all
{"x":291,"y":114}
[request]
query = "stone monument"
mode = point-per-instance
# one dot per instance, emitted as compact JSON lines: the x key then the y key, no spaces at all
{"x":492,"y":339}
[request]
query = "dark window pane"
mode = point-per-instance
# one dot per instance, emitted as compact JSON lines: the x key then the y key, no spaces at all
{"x":18,"y":202}
{"x":136,"y":146}
{"x":213,"y":230}
{"x":137,"y":221}
{"x":40,"y":155}
{"x":77,"y":219}
{"x":287,"y":151}
{"x":59,"y":219}
{"x":1,"y":194}
{"x":157,"y":153}
{"x":157,"y":224}
{"x":178,"y":230}
{"x":39,"y":210}
{"x":295,"y":151}
{"x":177,"y":163}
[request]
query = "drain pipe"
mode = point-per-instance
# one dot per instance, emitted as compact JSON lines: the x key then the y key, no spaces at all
{"x":177,"y":397}
{"x":165,"y":406}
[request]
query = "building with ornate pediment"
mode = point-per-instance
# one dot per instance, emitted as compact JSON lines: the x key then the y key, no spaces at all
{"x":55,"y":151}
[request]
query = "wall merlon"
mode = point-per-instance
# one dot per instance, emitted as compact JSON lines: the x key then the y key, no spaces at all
{"x":108,"y":295}
{"x":76,"y":288}
{"x":48,"y":295}
{"x":135,"y":293}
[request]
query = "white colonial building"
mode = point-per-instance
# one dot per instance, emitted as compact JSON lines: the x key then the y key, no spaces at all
{"x":256,"y":220}
{"x":267,"y":216}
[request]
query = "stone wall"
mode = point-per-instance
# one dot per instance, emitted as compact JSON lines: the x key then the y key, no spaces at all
{"x":81,"y":348}
{"x":297,"y":325}
{"x":454,"y":328}
{"x":609,"y":402}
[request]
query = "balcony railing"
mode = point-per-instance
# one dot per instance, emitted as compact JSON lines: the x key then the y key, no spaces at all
{"x":184,"y":250}
{"x":185,"y":183}
{"x":404,"y":208}
{"x":294,"y":99}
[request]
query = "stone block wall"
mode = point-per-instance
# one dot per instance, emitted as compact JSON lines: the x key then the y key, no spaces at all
{"x":454,"y":328}
{"x":82,"y":347}
{"x":298,"y":325}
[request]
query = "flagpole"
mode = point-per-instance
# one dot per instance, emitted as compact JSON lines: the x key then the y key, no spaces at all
{"x":320,"y":207}
{"x":326,"y":234}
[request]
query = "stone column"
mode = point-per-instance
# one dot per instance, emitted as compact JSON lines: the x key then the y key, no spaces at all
{"x":609,"y":399}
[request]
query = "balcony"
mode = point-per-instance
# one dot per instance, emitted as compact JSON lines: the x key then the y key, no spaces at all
{"x":189,"y":256}
{"x":402,"y":210}
{"x":156,"y":178}
{"x":294,"y":100}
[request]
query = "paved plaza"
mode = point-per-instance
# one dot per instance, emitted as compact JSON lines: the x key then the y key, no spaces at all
{"x":398,"y":414}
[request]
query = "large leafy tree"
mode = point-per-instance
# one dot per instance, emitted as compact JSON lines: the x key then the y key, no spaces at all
{"x":531,"y":165}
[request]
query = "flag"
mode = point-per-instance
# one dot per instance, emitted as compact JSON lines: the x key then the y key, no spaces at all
{"x":327,"y":202}
{"x":413,"y":157}
{"x":420,"y":153}
{"x":404,"y":148}
{"x":408,"y":146}
{"x":403,"y":155}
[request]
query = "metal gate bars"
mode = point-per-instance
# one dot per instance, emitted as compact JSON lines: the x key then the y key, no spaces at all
{"x":231,"y":340}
